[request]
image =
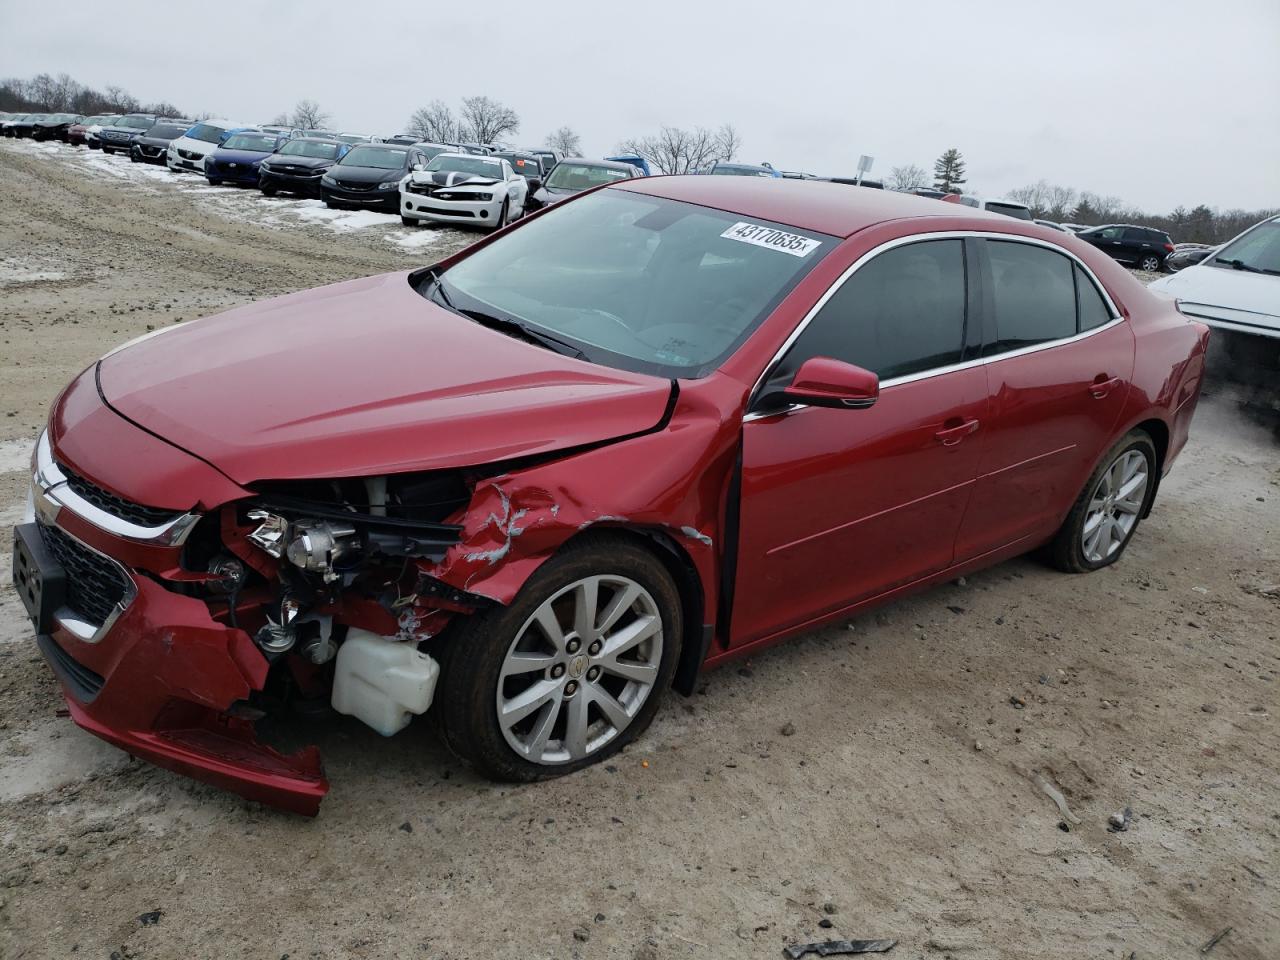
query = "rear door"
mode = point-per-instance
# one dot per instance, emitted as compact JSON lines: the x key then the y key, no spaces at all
{"x":840,"y":505}
{"x":1139,"y":242}
{"x":1058,"y":361}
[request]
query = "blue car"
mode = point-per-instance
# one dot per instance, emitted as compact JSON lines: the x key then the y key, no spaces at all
{"x":238,"y":158}
{"x":724,"y":169}
{"x":635,"y":160}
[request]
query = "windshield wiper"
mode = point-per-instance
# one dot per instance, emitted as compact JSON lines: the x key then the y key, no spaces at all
{"x":1239,"y":265}
{"x":505,"y":324}
{"x":509,"y":325}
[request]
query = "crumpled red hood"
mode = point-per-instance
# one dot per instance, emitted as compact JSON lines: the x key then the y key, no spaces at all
{"x":361,"y":378}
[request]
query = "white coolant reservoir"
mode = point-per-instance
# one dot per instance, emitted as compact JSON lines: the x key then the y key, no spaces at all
{"x":382,"y":681}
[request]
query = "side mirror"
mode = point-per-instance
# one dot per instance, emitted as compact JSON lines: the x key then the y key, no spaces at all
{"x":824,"y":382}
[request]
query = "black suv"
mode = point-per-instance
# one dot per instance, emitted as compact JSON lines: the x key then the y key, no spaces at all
{"x":1144,"y":247}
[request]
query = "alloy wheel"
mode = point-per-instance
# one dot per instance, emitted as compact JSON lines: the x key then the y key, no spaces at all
{"x":1114,"y":506}
{"x":580,"y":669}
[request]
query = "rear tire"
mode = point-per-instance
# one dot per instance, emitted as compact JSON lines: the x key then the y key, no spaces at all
{"x":1149,"y":262}
{"x":482,"y":665}
{"x":1115,"y":498}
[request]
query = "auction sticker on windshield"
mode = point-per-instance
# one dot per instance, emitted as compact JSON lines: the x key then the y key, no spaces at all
{"x":772,"y":239}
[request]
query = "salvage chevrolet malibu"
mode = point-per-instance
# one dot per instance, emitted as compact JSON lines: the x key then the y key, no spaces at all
{"x":659,"y":426}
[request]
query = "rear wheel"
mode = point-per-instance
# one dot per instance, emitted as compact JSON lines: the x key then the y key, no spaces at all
{"x":1107,"y":512}
{"x":1149,"y":262}
{"x":570,"y":672}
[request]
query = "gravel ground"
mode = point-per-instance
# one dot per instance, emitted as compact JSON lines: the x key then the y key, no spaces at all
{"x":881,"y":776}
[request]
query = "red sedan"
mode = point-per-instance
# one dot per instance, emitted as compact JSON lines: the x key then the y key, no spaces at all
{"x":654,"y":428}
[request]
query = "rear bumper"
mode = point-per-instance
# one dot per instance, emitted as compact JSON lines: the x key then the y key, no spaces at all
{"x":161,"y":685}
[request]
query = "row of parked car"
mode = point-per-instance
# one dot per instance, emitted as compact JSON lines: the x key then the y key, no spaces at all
{"x":484,"y":185}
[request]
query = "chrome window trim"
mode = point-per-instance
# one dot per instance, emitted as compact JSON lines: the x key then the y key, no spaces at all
{"x":51,"y":493}
{"x":1113,"y":310}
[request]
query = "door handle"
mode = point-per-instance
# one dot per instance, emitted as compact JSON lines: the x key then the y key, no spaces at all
{"x":950,"y":436}
{"x":1103,"y":385}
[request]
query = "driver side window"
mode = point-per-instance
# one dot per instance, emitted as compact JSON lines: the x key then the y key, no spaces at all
{"x":900,"y":313}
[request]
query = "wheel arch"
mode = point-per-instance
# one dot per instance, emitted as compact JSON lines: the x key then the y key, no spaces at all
{"x":1158,"y":431}
{"x":695,"y":635}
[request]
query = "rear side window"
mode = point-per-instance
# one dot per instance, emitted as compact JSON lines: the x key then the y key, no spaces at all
{"x":1092,"y":308}
{"x":1137,"y":235}
{"x":902,"y":312}
{"x":1033,"y":295}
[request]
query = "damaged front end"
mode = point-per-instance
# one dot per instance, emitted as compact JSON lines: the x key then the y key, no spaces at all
{"x":304,"y":595}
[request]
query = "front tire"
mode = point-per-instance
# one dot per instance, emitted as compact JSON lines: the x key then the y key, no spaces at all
{"x":568,"y":674}
{"x":408,"y":221}
{"x":1109,"y":509}
{"x":267,"y":191}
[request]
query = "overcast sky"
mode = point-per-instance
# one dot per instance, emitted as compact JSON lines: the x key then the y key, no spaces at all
{"x":1160,"y":103}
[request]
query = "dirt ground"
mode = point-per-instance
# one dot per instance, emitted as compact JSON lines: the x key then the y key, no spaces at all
{"x":882,"y":776}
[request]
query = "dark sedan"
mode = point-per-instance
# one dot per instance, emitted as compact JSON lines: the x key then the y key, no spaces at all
{"x":54,"y":126}
{"x":239,"y":157}
{"x":573,"y":176}
{"x":23,"y":125}
{"x":526,"y":163}
{"x":298,"y":166}
{"x":369,"y":176}
{"x":152,"y":145}
{"x":1187,"y":255}
{"x":119,"y":135}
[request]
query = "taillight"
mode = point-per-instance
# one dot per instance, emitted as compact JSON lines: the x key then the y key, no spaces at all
{"x":1168,"y":248}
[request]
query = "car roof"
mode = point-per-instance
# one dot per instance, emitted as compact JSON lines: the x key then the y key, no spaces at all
{"x":820,"y":205}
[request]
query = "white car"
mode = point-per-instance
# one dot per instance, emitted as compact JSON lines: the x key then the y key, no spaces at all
{"x":1235,"y":288}
{"x":1010,"y":208}
{"x":463,"y":188}
{"x":189,"y":150}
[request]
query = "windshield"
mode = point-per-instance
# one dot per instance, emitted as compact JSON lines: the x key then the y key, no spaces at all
{"x":642,"y":283}
{"x":524,"y":164}
{"x":1017,"y":211}
{"x":258,"y":142}
{"x":207,"y":132}
{"x":734,"y":170}
{"x":476,"y":166}
{"x":165,"y":131}
{"x":137,"y":123}
{"x":1257,"y":250}
{"x":583,"y":176}
{"x":309,"y":148}
{"x":383,"y":158}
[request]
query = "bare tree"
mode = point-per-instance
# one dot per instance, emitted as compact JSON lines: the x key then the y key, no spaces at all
{"x":308,"y":115}
{"x":566,"y":141}
{"x":486,"y":119}
{"x":436,"y":123}
{"x":120,"y":99}
{"x":908,"y":177}
{"x":281,"y":119}
{"x":674,"y":150}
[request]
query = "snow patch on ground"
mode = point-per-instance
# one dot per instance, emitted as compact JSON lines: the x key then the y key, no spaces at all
{"x":54,"y":754}
{"x":15,"y":455}
{"x":241,"y":203}
{"x":15,"y":272}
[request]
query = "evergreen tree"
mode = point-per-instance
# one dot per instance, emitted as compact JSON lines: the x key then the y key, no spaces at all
{"x":948,"y":172}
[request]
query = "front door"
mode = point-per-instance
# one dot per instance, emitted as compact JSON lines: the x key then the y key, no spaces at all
{"x":841,"y":505}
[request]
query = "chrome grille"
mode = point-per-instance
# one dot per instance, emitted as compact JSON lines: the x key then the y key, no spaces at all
{"x":95,"y":584}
